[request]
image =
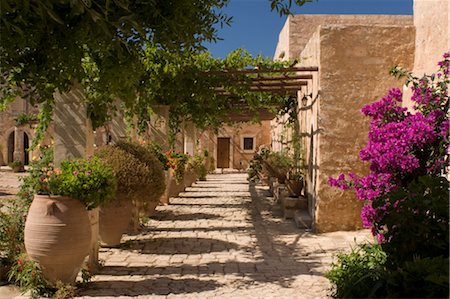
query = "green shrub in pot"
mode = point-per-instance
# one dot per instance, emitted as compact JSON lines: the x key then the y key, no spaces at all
{"x":154,"y":182}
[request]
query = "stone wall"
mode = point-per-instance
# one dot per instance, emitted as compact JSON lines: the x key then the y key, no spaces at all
{"x":8,"y":124}
{"x":432,"y":22}
{"x":299,"y":28}
{"x":239,"y":158}
{"x":353,"y":66}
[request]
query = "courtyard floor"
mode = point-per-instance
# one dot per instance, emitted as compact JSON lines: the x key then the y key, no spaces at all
{"x":222,"y":238}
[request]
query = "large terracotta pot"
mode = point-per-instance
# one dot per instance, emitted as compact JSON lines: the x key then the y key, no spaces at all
{"x":114,"y":218}
{"x":57,"y":236}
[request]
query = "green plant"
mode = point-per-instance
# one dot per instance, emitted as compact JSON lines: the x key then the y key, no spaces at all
{"x":12,"y":224}
{"x":278,"y":164}
{"x":90,"y":181}
{"x":27,"y":274}
{"x":177,"y":162}
{"x":16,"y":165}
{"x":25,"y":118}
{"x":197,"y":164}
{"x":255,"y":169}
{"x":295,"y":174}
{"x":130,"y":173}
{"x":64,"y":291}
{"x":156,"y":149}
{"x":154,"y":184}
{"x":360,"y":273}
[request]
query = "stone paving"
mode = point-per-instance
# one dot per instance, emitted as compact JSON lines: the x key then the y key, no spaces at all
{"x":222,"y":238}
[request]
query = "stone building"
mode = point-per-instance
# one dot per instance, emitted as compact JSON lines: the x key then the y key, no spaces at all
{"x":15,"y":140}
{"x":353,"y":55}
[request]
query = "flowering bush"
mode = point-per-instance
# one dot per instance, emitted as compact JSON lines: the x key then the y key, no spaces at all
{"x":198,"y":165}
{"x":156,"y":149}
{"x":87,"y":180}
{"x":403,"y":146}
{"x":406,"y":192}
{"x":177,"y":162}
{"x":90,"y":181}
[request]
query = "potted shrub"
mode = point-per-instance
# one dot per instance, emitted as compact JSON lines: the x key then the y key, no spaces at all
{"x":57,"y":230}
{"x":256,"y":170}
{"x":131,"y":176}
{"x":177,"y":167}
{"x":295,"y":182}
{"x":162,"y":157}
{"x":155,"y":184}
{"x":16,"y":166}
{"x":278,"y":165}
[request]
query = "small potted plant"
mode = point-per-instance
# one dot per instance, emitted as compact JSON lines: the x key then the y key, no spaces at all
{"x":57,"y":230}
{"x":177,"y":167}
{"x":278,"y":165}
{"x":17,"y":166}
{"x":295,"y":182}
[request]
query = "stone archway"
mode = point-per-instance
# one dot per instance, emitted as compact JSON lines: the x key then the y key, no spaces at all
{"x":11,"y":147}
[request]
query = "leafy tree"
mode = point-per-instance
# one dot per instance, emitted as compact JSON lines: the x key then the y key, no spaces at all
{"x":140,"y":52}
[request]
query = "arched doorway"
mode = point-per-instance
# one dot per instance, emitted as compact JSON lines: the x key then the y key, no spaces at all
{"x":11,"y":139}
{"x":11,"y":148}
{"x":26,"y":146}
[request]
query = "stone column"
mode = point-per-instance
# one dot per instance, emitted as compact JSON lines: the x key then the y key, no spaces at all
{"x":74,"y":138}
{"x":18,"y":144}
{"x":70,"y":117}
{"x":159,"y":126}
{"x":117,"y":128}
{"x":189,"y":138}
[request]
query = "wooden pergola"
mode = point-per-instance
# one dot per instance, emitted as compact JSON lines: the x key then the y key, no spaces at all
{"x":285,"y":81}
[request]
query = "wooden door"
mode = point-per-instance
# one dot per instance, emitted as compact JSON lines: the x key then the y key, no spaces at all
{"x":223,"y":152}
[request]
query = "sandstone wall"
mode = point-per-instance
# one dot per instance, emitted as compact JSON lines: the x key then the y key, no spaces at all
{"x":8,"y":123}
{"x":353,"y":71}
{"x":239,"y":158}
{"x":432,"y":22}
{"x":299,"y":28}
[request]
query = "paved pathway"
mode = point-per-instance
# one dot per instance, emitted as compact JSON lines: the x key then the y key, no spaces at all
{"x":220,"y":239}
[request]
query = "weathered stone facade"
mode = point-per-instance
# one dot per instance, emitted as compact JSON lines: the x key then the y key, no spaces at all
{"x":353,"y":54}
{"x":239,"y":157}
{"x":14,"y":140}
{"x":432,"y":23}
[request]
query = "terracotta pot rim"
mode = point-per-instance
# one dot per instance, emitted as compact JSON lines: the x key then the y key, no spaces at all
{"x":54,"y":197}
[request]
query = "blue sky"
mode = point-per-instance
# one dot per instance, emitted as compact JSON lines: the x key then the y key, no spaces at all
{"x":256,"y":28}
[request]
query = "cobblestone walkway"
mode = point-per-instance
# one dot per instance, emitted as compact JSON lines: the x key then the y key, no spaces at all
{"x":220,"y":239}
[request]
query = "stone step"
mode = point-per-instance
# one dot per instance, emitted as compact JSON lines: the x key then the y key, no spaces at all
{"x":303,"y":219}
{"x":298,"y":203}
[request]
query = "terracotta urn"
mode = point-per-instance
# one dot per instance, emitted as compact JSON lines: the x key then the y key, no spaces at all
{"x":114,"y":218}
{"x":57,"y":236}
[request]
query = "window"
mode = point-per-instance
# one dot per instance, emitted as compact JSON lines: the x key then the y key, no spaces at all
{"x":248,"y":143}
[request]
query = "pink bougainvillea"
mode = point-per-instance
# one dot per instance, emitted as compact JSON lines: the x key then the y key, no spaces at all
{"x":402,"y":145}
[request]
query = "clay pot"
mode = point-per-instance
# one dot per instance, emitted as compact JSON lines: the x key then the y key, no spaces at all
{"x":294,"y":187}
{"x":174,"y":188}
{"x":189,"y":178}
{"x":57,"y":236}
{"x":114,"y":218}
